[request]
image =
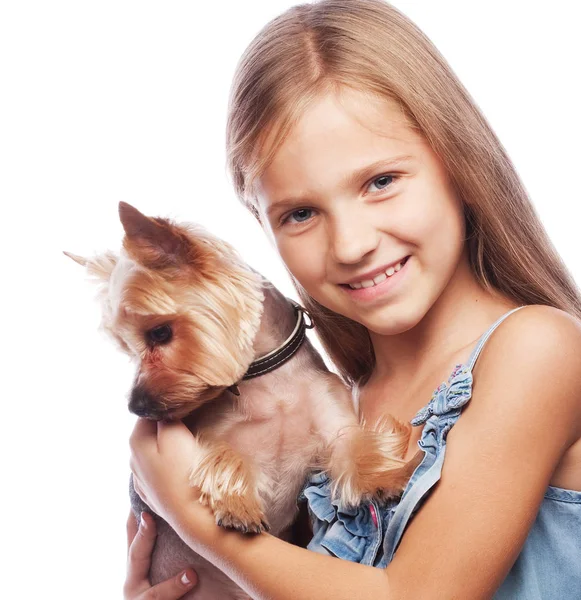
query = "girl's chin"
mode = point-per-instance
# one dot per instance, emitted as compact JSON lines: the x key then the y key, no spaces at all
{"x":389,"y":319}
{"x":382,"y":329}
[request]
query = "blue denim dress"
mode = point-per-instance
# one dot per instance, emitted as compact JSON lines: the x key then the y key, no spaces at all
{"x":549,"y":565}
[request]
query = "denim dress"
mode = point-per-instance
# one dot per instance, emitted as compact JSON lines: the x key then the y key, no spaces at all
{"x":549,"y":565}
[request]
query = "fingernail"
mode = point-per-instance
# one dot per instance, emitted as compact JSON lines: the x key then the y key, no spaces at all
{"x":143,"y":523}
{"x":185,"y":579}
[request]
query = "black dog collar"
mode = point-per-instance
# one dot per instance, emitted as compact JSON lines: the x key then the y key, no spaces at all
{"x":278,"y":356}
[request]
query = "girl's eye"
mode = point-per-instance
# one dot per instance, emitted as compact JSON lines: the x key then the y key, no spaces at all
{"x":381,"y":182}
{"x":300,"y":216}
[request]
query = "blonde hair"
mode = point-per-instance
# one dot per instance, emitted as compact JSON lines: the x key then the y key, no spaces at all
{"x":371,"y":46}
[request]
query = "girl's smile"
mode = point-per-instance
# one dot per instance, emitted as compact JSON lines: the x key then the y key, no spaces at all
{"x":368,"y":289}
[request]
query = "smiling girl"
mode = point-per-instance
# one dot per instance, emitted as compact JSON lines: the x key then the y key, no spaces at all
{"x":414,"y":245}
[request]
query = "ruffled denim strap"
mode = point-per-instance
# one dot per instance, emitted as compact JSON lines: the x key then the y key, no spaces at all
{"x":458,"y":390}
{"x":448,"y":396}
{"x":438,"y":417}
{"x":476,"y":352}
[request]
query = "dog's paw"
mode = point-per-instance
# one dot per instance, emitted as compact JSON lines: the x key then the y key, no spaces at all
{"x":357,"y":484}
{"x":351,"y":490}
{"x":244,"y":526}
{"x":237,"y":512}
{"x":368,"y":463}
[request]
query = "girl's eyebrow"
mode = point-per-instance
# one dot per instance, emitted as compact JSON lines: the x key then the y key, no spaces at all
{"x":386,"y":164}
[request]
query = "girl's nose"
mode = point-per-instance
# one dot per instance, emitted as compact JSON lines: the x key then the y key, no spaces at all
{"x":352,"y":237}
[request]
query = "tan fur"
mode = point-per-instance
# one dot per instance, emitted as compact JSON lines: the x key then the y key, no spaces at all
{"x":227,"y":486}
{"x":373,"y":462}
{"x":254,"y":451}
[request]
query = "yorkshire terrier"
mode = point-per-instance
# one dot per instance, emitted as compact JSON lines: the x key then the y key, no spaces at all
{"x":218,"y":346}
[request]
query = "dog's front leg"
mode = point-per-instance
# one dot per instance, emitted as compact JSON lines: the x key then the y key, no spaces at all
{"x":361,"y":462}
{"x":227,"y":485}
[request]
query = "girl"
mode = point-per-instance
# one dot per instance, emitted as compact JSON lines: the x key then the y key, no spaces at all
{"x":413,"y":243}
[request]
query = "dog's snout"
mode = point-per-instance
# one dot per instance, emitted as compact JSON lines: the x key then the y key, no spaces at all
{"x":143,"y":404}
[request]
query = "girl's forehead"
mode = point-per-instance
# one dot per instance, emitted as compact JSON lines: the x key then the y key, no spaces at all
{"x":340,"y":131}
{"x":346,"y":110}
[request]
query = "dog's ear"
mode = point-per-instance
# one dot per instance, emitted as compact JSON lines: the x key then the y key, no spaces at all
{"x":154,"y":242}
{"x":78,"y":259}
{"x":99,"y":267}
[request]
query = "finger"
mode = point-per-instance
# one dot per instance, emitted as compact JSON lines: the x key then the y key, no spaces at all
{"x":139,"y":490}
{"x":139,"y":556}
{"x":143,"y":431}
{"x":174,"y":588}
{"x":166,"y":430}
{"x":132,"y":527}
{"x":171,"y":425}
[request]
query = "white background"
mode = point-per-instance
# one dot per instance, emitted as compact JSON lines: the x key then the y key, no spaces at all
{"x":116,"y":100}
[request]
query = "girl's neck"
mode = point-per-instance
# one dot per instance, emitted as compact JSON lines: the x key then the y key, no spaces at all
{"x":454,"y":323}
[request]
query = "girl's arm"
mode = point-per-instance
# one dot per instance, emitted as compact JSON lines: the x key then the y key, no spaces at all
{"x":525,"y":412}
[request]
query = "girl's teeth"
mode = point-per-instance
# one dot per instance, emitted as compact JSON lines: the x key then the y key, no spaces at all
{"x":376,"y":280}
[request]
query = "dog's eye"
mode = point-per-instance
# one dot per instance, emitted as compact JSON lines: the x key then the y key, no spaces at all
{"x":159,"y":335}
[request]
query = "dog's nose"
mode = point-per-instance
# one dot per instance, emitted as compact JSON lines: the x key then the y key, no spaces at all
{"x":143,"y":404}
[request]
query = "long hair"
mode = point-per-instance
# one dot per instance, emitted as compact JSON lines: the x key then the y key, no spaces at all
{"x":370,"y":46}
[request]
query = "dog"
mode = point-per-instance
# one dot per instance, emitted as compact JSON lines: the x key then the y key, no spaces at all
{"x":218,"y":346}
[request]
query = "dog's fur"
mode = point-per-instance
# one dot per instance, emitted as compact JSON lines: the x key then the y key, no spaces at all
{"x":254,"y":451}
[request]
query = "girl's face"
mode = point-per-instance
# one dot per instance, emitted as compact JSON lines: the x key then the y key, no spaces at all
{"x":354,"y":196}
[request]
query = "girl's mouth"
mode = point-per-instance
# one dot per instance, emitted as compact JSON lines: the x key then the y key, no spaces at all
{"x":380,"y":285}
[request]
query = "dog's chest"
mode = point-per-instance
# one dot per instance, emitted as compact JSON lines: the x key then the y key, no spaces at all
{"x":272,"y":422}
{"x":266,"y":423}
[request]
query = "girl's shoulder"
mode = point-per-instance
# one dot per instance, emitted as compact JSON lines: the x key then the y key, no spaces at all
{"x":531,"y":365}
{"x":541,"y":327}
{"x":553,"y":322}
{"x":537,"y":347}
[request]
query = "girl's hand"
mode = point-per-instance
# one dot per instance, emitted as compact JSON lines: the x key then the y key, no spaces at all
{"x":161,"y":461}
{"x":140,"y":542}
